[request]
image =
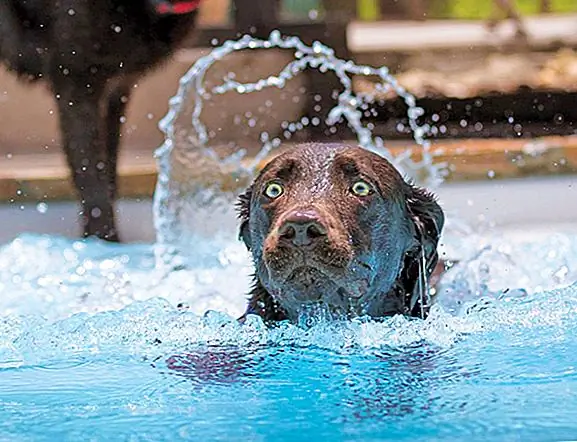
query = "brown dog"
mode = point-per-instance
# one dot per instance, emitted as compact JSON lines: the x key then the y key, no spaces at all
{"x":337,"y":227}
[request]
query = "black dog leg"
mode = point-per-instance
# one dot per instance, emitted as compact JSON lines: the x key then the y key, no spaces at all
{"x":117,"y":101}
{"x":82,"y":122}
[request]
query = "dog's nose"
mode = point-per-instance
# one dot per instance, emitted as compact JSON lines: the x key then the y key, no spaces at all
{"x":302,"y":228}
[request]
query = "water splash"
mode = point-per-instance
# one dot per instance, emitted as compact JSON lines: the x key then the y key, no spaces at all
{"x":199,"y":176}
{"x":155,"y":326}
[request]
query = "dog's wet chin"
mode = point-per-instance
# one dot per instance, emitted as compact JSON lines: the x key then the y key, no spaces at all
{"x":305,"y":283}
{"x":308,"y":284}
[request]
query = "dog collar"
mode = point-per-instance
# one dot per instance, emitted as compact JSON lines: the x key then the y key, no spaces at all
{"x":165,"y":7}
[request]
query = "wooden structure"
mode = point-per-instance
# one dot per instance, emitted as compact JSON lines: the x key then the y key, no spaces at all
{"x":39,"y":173}
{"x":42,"y":177}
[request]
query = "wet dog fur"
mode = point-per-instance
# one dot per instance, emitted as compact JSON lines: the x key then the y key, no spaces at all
{"x":336,"y":226}
{"x":90,"y":53}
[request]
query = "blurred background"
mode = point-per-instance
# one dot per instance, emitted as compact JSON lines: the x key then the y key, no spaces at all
{"x":497,"y":80}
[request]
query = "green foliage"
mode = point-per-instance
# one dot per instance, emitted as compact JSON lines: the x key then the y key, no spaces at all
{"x":482,"y":9}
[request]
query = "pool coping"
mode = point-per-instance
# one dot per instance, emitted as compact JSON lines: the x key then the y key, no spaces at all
{"x":44,"y":177}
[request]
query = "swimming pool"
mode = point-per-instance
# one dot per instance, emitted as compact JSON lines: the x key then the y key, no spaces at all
{"x":94,"y":347}
{"x":97,"y":342}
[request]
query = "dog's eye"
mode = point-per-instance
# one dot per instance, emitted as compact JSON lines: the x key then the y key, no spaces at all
{"x":273,"y":190}
{"x":362,"y":188}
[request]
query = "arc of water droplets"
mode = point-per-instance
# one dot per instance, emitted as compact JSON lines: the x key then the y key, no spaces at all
{"x":318,"y":56}
{"x":323,"y":58}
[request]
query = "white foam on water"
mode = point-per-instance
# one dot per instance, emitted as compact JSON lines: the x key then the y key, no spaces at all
{"x":62,"y":298}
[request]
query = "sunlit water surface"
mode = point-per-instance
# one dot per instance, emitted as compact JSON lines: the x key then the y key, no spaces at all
{"x":94,"y":347}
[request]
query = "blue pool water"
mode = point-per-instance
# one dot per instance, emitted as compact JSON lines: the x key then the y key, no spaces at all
{"x":94,"y":347}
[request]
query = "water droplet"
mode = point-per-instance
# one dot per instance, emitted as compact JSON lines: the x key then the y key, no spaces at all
{"x":96,"y":212}
{"x":42,"y":207}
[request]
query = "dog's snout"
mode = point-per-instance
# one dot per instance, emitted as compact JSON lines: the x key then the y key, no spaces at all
{"x":302,"y":228}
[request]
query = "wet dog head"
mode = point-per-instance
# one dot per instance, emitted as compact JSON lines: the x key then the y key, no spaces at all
{"x":337,"y":226}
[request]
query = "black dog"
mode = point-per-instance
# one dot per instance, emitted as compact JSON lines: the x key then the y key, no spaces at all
{"x":336,"y":226}
{"x":90,"y":52}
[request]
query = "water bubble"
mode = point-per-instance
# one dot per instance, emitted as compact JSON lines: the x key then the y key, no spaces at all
{"x":313,"y":14}
{"x":42,"y":207}
{"x":415,"y":112}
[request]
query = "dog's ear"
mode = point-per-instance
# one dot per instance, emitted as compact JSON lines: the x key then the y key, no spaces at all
{"x":428,"y":220}
{"x":243,"y":208}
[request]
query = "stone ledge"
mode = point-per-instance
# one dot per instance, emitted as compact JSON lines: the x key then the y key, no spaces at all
{"x":44,"y":177}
